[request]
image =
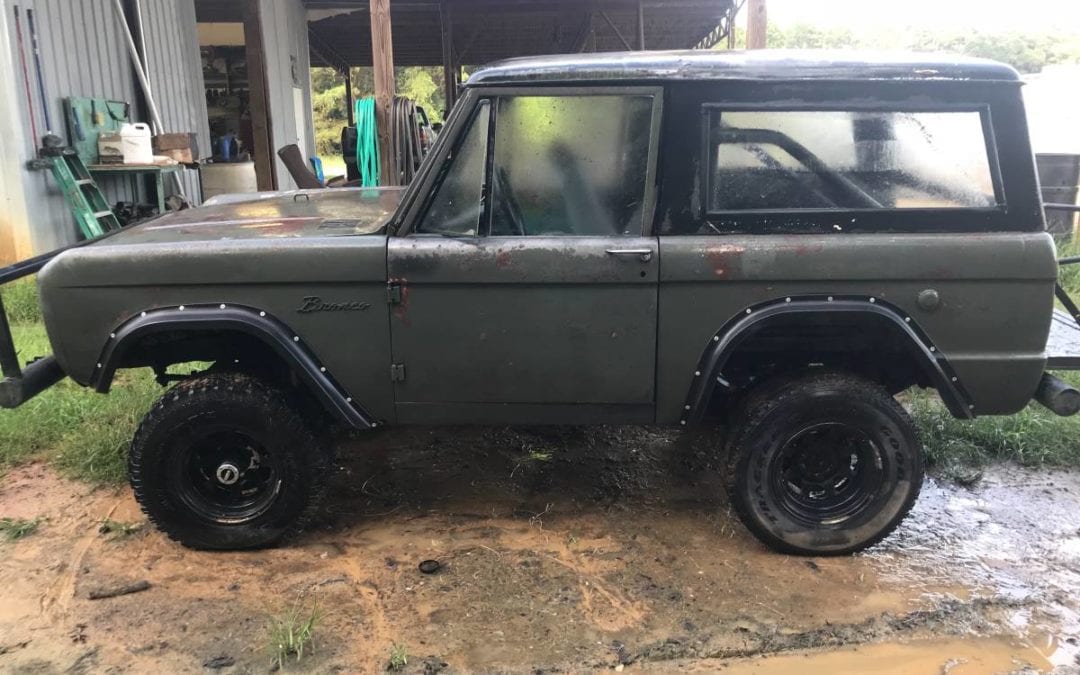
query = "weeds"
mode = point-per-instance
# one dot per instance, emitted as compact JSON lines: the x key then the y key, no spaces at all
{"x":532,"y":458}
{"x":292,"y":633}
{"x":399,"y":657}
{"x":119,"y":530}
{"x":1032,"y":437}
{"x":21,"y":301}
{"x":18,"y":528}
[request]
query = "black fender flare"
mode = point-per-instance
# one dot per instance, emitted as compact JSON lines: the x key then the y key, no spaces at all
{"x":709,"y":371}
{"x":259,"y":324}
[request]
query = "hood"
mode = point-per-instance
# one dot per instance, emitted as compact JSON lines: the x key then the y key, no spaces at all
{"x":332,"y":212}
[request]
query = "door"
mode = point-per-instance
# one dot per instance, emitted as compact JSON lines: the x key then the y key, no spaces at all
{"x":527,"y":282}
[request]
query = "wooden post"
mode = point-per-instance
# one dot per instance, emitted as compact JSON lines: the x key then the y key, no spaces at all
{"x":258,"y":88}
{"x":756,"y":24}
{"x":382,"y":47}
{"x":449,"y":80}
{"x":350,"y":103}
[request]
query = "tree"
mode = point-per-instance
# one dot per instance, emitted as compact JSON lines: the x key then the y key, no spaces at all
{"x":420,"y":84}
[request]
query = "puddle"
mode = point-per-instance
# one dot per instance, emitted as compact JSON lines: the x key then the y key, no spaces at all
{"x":574,"y":549}
{"x":953,"y":657}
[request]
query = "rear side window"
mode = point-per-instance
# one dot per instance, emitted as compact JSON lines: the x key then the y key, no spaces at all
{"x":776,"y":160}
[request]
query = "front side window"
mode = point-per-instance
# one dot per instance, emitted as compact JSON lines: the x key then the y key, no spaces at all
{"x":835,"y":159}
{"x":570,"y":165}
{"x":457,"y":204}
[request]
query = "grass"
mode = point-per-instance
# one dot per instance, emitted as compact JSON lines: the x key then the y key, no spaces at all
{"x":1032,"y":437}
{"x":18,"y":528}
{"x":292,"y":633}
{"x":85,"y":435}
{"x":399,"y":657}
{"x":119,"y":530}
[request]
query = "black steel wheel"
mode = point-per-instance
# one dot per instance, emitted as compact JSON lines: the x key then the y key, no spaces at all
{"x":223,"y":461}
{"x":823,"y":464}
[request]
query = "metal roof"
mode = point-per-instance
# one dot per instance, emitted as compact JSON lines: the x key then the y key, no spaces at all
{"x":489,"y":30}
{"x":742,"y":65}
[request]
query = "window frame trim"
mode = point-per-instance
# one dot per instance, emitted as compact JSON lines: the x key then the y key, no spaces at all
{"x":433,"y":178}
{"x":989,"y":145}
{"x":440,"y":168}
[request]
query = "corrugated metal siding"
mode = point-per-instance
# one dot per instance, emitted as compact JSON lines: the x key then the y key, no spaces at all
{"x":84,"y":54}
{"x":285,"y":38}
{"x":175,"y":73}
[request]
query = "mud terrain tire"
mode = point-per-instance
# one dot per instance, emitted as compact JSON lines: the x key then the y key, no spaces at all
{"x":823,"y":464}
{"x":223,"y":461}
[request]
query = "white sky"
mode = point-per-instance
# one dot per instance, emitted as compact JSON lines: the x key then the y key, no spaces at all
{"x":983,"y":15}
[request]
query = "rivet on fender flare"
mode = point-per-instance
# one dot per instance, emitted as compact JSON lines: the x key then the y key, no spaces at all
{"x":296,"y":338}
{"x":262,"y":313}
{"x":697,"y":373}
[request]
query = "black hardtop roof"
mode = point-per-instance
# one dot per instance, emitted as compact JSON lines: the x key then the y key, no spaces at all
{"x":766,"y":64}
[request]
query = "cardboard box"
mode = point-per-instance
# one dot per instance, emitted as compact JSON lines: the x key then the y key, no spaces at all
{"x":181,"y":147}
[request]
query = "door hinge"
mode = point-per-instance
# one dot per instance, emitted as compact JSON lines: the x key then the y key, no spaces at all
{"x":393,"y":292}
{"x":397,"y":372}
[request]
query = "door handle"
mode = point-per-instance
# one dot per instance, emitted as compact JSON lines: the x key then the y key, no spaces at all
{"x":643,"y":254}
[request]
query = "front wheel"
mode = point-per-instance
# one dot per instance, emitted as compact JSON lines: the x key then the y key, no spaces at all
{"x":823,"y":464}
{"x":223,"y":461}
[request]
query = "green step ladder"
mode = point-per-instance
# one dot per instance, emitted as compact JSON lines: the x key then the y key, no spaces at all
{"x":84,"y":197}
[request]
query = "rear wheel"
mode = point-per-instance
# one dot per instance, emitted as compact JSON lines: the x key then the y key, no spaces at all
{"x":223,"y":461}
{"x":824,"y":464}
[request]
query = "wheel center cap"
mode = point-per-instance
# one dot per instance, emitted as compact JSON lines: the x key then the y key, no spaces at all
{"x":228,"y":474}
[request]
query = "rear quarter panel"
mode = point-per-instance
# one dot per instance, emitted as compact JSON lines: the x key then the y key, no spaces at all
{"x":992,"y":323}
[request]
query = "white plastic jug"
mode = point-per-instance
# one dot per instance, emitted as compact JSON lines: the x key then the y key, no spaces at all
{"x":138,"y":148}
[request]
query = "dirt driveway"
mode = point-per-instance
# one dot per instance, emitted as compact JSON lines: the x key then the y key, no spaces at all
{"x":562,"y":550}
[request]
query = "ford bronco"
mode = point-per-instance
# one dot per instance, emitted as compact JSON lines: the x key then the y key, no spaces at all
{"x":780,"y":243}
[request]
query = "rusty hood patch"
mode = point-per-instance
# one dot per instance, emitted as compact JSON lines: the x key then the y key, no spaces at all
{"x":301,"y":213}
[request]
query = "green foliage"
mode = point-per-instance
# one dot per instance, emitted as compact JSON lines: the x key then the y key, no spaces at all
{"x":21,"y":301}
{"x":1033,"y":437}
{"x":399,"y":657}
{"x":292,"y":633}
{"x":18,"y":528}
{"x":423,"y":85}
{"x":1027,"y":52}
{"x":1069,"y":275}
{"x":85,"y":434}
{"x":117,"y":529}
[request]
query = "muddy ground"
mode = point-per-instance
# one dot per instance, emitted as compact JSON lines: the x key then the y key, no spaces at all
{"x":562,"y":550}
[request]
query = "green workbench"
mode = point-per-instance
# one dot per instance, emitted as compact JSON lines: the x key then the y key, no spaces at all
{"x":135,"y":170}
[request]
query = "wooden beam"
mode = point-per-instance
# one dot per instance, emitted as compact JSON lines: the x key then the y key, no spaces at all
{"x":382,"y":53}
{"x":259,"y":96}
{"x":756,"y":24}
{"x":449,"y":86}
{"x":640,"y":25}
{"x":350,"y":103}
{"x":615,"y":28}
